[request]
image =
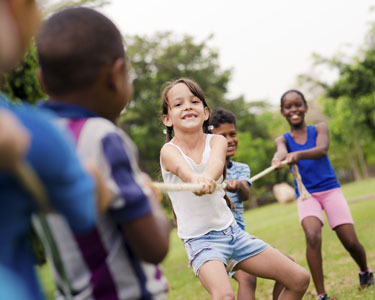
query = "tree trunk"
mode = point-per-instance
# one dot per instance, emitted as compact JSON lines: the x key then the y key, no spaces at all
{"x":361,"y":159}
{"x":353,"y":164}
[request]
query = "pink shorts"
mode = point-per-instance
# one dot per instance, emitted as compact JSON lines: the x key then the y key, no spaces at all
{"x":334,"y":204}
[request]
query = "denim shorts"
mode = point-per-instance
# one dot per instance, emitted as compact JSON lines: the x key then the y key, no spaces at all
{"x":231,"y":246}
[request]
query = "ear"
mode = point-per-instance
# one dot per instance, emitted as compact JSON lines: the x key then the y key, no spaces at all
{"x":117,"y":74}
{"x":166,"y":121}
{"x":39,"y":75}
{"x":206,"y":113}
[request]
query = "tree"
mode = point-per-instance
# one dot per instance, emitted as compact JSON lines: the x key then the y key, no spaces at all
{"x":22,"y":83}
{"x":350,"y":104}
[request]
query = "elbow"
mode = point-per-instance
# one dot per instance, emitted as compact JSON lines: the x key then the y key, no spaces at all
{"x":157,"y":250}
{"x":156,"y":255}
{"x":323,"y":151}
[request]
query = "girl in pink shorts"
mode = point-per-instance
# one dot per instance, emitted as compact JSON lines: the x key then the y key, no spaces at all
{"x":307,"y":146}
{"x":332,"y":202}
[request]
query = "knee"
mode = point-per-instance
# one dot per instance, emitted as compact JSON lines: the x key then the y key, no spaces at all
{"x":247,"y":280}
{"x":252,"y":282}
{"x":302,"y":281}
{"x":313,"y":239}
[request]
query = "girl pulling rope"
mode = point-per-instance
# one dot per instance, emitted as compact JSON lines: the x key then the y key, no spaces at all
{"x":212,"y":239}
{"x":307,"y":146}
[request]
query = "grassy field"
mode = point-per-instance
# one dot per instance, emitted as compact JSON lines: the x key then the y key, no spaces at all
{"x":278,"y":225}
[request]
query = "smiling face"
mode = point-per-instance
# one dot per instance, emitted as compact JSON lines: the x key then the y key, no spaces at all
{"x":228,"y":130}
{"x":293,"y":109}
{"x":185,"y":110}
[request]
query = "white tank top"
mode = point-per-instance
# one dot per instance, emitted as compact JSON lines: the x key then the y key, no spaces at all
{"x":197,"y":215}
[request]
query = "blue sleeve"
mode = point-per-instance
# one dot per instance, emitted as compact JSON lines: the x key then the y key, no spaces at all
{"x":244,"y":174}
{"x":70,"y":190}
{"x":136,"y":202}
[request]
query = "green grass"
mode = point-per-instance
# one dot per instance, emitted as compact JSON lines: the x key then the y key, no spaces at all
{"x":278,"y":225}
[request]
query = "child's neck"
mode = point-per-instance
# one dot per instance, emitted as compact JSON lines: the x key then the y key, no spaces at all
{"x":189,"y":139}
{"x":298,"y":127}
{"x":299,"y":133}
{"x":192,"y":144}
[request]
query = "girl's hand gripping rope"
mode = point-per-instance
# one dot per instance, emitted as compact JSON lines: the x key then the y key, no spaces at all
{"x":207,"y":183}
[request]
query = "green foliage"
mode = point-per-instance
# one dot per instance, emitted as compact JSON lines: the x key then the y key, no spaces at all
{"x":22,"y":83}
{"x":349,"y":102}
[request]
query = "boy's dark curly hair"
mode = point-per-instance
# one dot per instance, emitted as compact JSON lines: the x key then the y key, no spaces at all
{"x":220,"y":116}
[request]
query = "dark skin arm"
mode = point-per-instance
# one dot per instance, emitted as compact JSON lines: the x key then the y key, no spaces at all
{"x":321,"y":148}
{"x":241,"y":187}
{"x":149,"y":235}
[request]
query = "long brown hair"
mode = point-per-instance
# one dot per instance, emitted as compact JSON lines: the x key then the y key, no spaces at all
{"x":194,"y":88}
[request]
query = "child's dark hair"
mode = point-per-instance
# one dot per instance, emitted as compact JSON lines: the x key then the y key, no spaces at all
{"x":292,"y":91}
{"x":194,"y":89}
{"x":220,"y":116}
{"x":74,"y":45}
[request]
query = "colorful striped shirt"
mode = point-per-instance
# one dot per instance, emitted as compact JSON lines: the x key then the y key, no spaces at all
{"x":103,"y":266}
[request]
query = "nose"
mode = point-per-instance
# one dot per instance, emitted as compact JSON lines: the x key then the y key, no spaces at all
{"x":187,"y":105}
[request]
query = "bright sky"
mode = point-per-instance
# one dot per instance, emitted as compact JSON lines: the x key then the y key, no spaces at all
{"x":267,"y":43}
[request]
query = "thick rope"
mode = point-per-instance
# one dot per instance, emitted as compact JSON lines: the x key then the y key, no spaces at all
{"x":303,"y":192}
{"x":178,"y":187}
{"x":35,"y":187}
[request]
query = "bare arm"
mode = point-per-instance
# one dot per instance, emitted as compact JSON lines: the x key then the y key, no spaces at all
{"x":173,"y":161}
{"x":217,"y":159}
{"x":241,"y":187}
{"x":149,"y":235}
{"x":321,"y":148}
{"x":322,"y":144}
{"x":281,"y":152}
{"x":141,"y":217}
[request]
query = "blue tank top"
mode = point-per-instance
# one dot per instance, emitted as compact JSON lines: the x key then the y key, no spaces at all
{"x":317,"y":174}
